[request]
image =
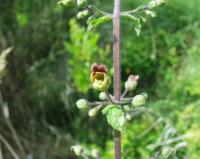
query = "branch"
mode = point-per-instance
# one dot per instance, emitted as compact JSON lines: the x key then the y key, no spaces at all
{"x":150,"y":128}
{"x":109,"y":97}
{"x":93,"y":104}
{"x":140,"y":8}
{"x":10,"y":126}
{"x":95,"y":10}
{"x":169,"y":141}
{"x":5,"y":142}
{"x":1,"y":153}
{"x":124,"y":93}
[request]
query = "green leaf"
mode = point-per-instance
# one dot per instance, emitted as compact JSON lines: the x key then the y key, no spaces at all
{"x":136,"y":22}
{"x":93,"y":22}
{"x":114,"y":116}
{"x":22,"y":19}
{"x":138,"y":27}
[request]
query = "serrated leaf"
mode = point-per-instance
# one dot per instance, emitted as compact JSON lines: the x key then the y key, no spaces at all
{"x":114,"y":116}
{"x":107,"y":108}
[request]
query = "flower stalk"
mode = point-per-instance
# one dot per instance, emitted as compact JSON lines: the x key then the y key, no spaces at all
{"x":117,"y":72}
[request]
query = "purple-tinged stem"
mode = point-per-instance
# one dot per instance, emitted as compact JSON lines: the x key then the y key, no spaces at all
{"x":117,"y":72}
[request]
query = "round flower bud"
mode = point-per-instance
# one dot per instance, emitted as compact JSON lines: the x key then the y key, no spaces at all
{"x":82,"y":104}
{"x":138,"y":100}
{"x":82,"y":14}
{"x":78,"y":149}
{"x":102,"y":96}
{"x":81,"y":3}
{"x":132,"y":82}
{"x":92,"y":112}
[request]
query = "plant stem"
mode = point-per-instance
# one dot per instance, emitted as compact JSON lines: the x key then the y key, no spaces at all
{"x":117,"y":72}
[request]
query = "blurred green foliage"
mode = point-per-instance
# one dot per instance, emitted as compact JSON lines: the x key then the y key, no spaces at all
{"x":83,"y":50}
{"x":49,"y":69}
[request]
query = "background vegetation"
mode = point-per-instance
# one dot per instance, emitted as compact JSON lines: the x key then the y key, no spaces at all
{"x":48,"y":70}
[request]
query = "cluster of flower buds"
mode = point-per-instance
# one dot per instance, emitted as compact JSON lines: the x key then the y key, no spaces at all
{"x":155,"y":3}
{"x":117,"y":113}
{"x":132,"y":82}
{"x":80,"y":150}
{"x":130,"y":85}
{"x":80,"y":3}
{"x":99,"y":77}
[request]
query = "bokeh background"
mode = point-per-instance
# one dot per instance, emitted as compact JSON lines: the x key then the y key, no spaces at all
{"x":48,"y":69}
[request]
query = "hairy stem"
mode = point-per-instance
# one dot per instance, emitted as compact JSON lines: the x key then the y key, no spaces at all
{"x":117,"y":73}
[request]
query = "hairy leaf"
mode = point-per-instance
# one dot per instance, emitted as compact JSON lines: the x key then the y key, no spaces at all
{"x":114,"y":116}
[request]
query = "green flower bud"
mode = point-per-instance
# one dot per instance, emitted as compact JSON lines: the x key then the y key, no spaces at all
{"x":103,"y":96}
{"x":132,"y":82}
{"x":65,"y":2}
{"x":138,"y":100}
{"x":78,"y":149}
{"x":82,"y":104}
{"x":155,"y":3}
{"x":92,"y":112}
{"x":82,"y":14}
{"x":81,"y":3}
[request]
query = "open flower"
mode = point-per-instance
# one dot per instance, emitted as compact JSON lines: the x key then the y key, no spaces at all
{"x":100,"y":79}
